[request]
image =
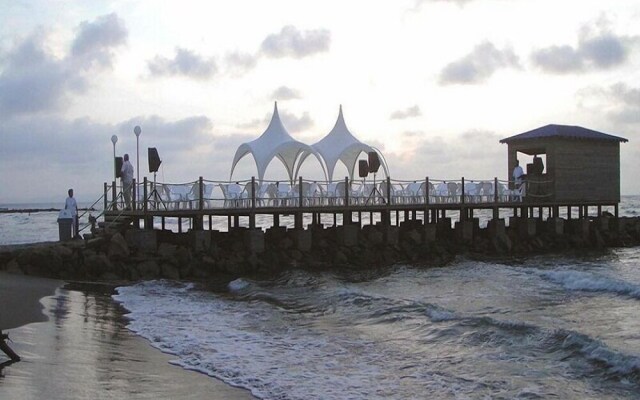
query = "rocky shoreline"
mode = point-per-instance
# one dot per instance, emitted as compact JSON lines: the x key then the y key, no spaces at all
{"x":121,"y":256}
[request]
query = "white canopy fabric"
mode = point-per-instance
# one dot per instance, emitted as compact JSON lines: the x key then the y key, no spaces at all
{"x":341,"y":145}
{"x":275,"y":142}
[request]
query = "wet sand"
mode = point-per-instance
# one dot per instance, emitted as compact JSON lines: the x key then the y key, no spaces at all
{"x":84,"y":350}
{"x":19,"y":299}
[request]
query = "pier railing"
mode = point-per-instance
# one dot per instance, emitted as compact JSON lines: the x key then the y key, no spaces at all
{"x":205,"y":194}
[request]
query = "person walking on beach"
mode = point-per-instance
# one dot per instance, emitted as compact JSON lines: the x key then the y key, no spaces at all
{"x":127,"y":181}
{"x":71,"y":205}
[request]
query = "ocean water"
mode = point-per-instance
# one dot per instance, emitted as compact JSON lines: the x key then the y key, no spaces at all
{"x":547,"y":327}
{"x":556,"y":326}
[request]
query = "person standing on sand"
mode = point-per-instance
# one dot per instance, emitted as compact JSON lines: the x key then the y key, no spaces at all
{"x":127,"y":181}
{"x":71,"y":205}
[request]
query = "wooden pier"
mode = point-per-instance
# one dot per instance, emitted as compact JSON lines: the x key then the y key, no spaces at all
{"x":388,"y":204}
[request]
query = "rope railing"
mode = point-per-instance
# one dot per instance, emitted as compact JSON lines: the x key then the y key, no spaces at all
{"x":254,"y":194}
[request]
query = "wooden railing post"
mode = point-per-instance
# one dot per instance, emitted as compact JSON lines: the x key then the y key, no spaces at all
{"x":495,"y":189}
{"x":200,"y":194}
{"x":300,"y":191}
{"x":113,"y":196}
{"x":426,"y":190}
{"x":462,"y":194}
{"x":388,"y":194}
{"x":106,"y":202}
{"x":134,"y":192}
{"x":253,"y":192}
{"x":346,"y":191}
{"x":145,"y":205}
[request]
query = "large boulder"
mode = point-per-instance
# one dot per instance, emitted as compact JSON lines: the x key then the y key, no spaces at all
{"x":118,"y":247}
{"x":183,"y":256}
{"x":13,"y":267}
{"x":169,"y":271}
{"x":167,"y":251}
{"x":97,"y":264}
{"x":148,"y":269}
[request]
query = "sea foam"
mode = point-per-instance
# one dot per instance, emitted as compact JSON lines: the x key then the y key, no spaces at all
{"x":591,"y":282}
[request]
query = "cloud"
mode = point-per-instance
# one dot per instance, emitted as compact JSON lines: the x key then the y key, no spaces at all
{"x":177,"y":136}
{"x":254,"y":124}
{"x":474,"y":154}
{"x":558,"y":59}
{"x":410,"y":112}
{"x":285,"y":93}
{"x":78,"y":153}
{"x":412,"y":134}
{"x":420,"y":3}
{"x":94,"y":42}
{"x":291,"y":42}
{"x":619,"y":102}
{"x":294,"y":123}
{"x":597,"y":49}
{"x":185,"y":63}
{"x":479,"y":65}
{"x":291,"y":122}
{"x":34,"y":80}
{"x":238,"y":63}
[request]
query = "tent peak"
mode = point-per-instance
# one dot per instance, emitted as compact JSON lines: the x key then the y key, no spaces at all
{"x":340,"y":123}
{"x":276,"y":122}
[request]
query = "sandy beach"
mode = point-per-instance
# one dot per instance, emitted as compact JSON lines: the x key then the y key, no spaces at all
{"x":74,"y":345}
{"x":20,"y":298}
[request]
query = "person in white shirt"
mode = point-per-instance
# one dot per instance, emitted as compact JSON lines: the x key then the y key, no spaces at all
{"x":71,"y":205}
{"x":127,"y":181}
{"x":518,"y":176}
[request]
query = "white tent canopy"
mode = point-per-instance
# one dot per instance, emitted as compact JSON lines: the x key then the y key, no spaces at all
{"x":275,"y":142}
{"x":341,"y":145}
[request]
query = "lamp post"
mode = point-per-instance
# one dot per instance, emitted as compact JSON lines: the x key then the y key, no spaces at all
{"x":114,"y":140}
{"x":137,"y":132}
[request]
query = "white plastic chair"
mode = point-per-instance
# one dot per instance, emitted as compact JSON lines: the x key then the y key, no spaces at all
{"x":471,"y":192}
{"x":315,"y":194}
{"x":245,"y":195}
{"x":207,"y":193}
{"x":396,"y":193}
{"x":330,"y":194}
{"x":284,"y":193}
{"x":442,"y":192}
{"x":232,"y":197}
{"x":411,"y":192}
{"x":178,"y":195}
{"x":485,"y":191}
{"x":452,"y":192}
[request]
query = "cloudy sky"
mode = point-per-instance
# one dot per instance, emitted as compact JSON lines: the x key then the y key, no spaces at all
{"x":433,"y":83}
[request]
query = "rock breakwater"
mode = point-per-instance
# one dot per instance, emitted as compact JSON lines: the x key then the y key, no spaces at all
{"x":133,"y":254}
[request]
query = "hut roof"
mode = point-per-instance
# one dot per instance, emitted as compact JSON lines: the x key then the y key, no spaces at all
{"x":565,"y":131}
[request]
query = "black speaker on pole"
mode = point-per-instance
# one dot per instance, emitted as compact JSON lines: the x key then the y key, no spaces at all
{"x":363,"y":168}
{"x":154,"y":159}
{"x":118,"y":167}
{"x":374,"y":162}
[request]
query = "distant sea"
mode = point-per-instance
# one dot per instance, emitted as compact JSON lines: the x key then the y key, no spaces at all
{"x":560,"y":326}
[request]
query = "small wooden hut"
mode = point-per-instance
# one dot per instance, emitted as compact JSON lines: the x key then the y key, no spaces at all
{"x":582,"y":165}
